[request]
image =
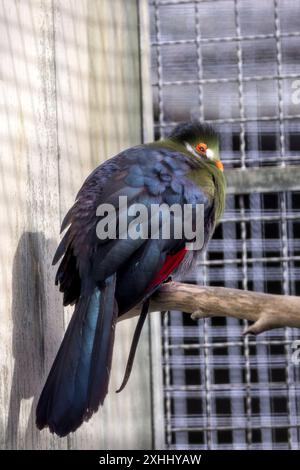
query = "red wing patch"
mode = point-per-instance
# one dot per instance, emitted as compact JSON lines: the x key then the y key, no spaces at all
{"x":171,"y":263}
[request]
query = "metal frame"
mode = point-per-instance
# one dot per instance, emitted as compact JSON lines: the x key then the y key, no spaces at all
{"x":241,"y":181}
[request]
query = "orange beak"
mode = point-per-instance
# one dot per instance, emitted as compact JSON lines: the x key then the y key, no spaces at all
{"x":220,"y":165}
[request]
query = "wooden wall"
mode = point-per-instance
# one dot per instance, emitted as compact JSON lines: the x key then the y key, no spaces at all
{"x":70,"y":97}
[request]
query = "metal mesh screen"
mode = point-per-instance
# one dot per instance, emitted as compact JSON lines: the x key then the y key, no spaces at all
{"x":236,"y":64}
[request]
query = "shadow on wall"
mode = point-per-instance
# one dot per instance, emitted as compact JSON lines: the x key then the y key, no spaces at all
{"x":28,"y":347}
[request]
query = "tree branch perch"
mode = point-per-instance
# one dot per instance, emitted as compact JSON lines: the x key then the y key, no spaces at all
{"x":267,"y":311}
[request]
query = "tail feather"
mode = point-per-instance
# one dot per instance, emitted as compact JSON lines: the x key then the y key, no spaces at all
{"x":103,"y":347}
{"x":135,"y":342}
{"x":78,"y":380}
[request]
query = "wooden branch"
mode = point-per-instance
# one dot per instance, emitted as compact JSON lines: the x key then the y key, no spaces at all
{"x":267,"y":311}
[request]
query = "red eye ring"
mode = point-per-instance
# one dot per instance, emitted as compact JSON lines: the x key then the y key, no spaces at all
{"x":201,"y":148}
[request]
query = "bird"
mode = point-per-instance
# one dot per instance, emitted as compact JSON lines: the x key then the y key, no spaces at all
{"x":105,"y":278}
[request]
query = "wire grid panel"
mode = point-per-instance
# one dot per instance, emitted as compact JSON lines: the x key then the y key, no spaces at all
{"x":234,"y":63}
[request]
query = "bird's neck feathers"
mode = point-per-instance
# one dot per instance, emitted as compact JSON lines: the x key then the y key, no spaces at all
{"x":212,"y":181}
{"x":172,"y":145}
{"x":204,"y":173}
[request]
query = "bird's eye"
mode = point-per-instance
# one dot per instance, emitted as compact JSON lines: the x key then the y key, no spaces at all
{"x":201,"y":148}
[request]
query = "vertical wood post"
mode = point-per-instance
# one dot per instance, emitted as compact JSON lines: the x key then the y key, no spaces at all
{"x":70,"y":96}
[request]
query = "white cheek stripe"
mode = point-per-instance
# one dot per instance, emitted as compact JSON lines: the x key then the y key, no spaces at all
{"x":210,"y":154}
{"x":190,"y":149}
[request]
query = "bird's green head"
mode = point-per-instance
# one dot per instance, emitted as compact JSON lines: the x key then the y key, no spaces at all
{"x":201,"y":143}
{"x":199,"y":140}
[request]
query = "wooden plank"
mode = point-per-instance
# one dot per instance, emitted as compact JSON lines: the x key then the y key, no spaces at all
{"x":31,"y":313}
{"x":86,"y":55}
{"x":263,"y":180}
{"x":99,"y":114}
{"x":72,"y":88}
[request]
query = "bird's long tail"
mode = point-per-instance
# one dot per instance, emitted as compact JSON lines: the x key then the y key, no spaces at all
{"x":135,"y":342}
{"x":78,"y":381}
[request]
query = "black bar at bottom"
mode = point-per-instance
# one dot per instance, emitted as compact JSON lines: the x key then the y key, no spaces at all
{"x":135,"y":459}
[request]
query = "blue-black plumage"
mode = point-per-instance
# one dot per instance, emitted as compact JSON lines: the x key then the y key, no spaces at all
{"x":78,"y":380}
{"x":106,"y":278}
